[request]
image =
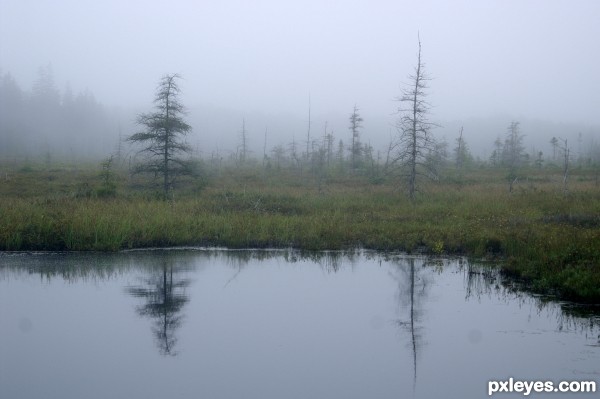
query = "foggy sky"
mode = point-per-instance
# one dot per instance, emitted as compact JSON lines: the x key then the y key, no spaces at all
{"x":511,"y":59}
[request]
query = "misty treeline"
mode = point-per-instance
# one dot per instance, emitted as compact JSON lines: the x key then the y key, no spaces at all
{"x":45,"y":121}
{"x":51,"y":125}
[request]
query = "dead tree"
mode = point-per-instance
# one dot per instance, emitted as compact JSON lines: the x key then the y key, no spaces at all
{"x":415,"y":140}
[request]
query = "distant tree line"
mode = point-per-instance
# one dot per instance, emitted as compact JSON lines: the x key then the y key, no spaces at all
{"x":38,"y":122}
{"x":44,"y":121}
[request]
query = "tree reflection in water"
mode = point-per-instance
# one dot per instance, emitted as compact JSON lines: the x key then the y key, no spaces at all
{"x":164,"y":295}
{"x":162,"y":289}
{"x":413,"y":283}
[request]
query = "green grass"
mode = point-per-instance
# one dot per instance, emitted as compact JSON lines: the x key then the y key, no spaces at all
{"x":537,"y":233}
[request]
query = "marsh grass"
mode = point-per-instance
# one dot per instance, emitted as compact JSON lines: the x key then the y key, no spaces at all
{"x":538,"y":232}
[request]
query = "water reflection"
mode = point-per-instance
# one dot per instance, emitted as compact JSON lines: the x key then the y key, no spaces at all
{"x":332,"y":261}
{"x":412,"y":275}
{"x":412,"y":284}
{"x":164,"y":294}
{"x":268,"y":317}
{"x":483,"y":280}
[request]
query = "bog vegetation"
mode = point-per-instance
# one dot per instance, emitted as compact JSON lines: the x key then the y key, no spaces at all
{"x":536,"y":229}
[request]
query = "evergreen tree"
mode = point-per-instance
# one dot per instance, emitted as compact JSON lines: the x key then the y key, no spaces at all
{"x":162,"y":137}
{"x":355,"y":148}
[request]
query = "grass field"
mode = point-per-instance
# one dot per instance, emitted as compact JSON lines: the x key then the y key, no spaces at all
{"x":538,"y":232}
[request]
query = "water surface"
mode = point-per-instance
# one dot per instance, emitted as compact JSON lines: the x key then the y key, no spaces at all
{"x":277,"y":324}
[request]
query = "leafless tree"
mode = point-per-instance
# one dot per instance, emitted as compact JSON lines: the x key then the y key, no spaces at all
{"x":162,"y":137}
{"x":415,"y":141}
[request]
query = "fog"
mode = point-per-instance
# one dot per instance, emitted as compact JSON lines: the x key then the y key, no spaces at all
{"x":491,"y":62}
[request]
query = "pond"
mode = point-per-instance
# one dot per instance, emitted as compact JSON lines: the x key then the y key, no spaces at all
{"x":209,"y":323}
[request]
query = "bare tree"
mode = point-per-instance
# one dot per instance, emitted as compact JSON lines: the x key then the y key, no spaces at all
{"x":162,"y":137}
{"x":415,"y":142}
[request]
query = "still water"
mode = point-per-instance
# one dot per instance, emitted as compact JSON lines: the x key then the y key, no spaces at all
{"x":203,"y":323}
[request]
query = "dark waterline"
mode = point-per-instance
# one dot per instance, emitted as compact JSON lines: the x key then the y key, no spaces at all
{"x":278,"y":324}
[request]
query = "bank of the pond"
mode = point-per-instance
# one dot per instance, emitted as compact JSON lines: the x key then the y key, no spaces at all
{"x":550,"y":240}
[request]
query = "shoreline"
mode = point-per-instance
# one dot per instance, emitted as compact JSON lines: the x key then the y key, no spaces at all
{"x":537,"y":233}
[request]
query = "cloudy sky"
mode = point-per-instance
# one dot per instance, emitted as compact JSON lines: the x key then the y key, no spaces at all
{"x":533,"y":59}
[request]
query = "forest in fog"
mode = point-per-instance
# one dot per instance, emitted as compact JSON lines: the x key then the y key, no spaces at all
{"x":43,"y":121}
